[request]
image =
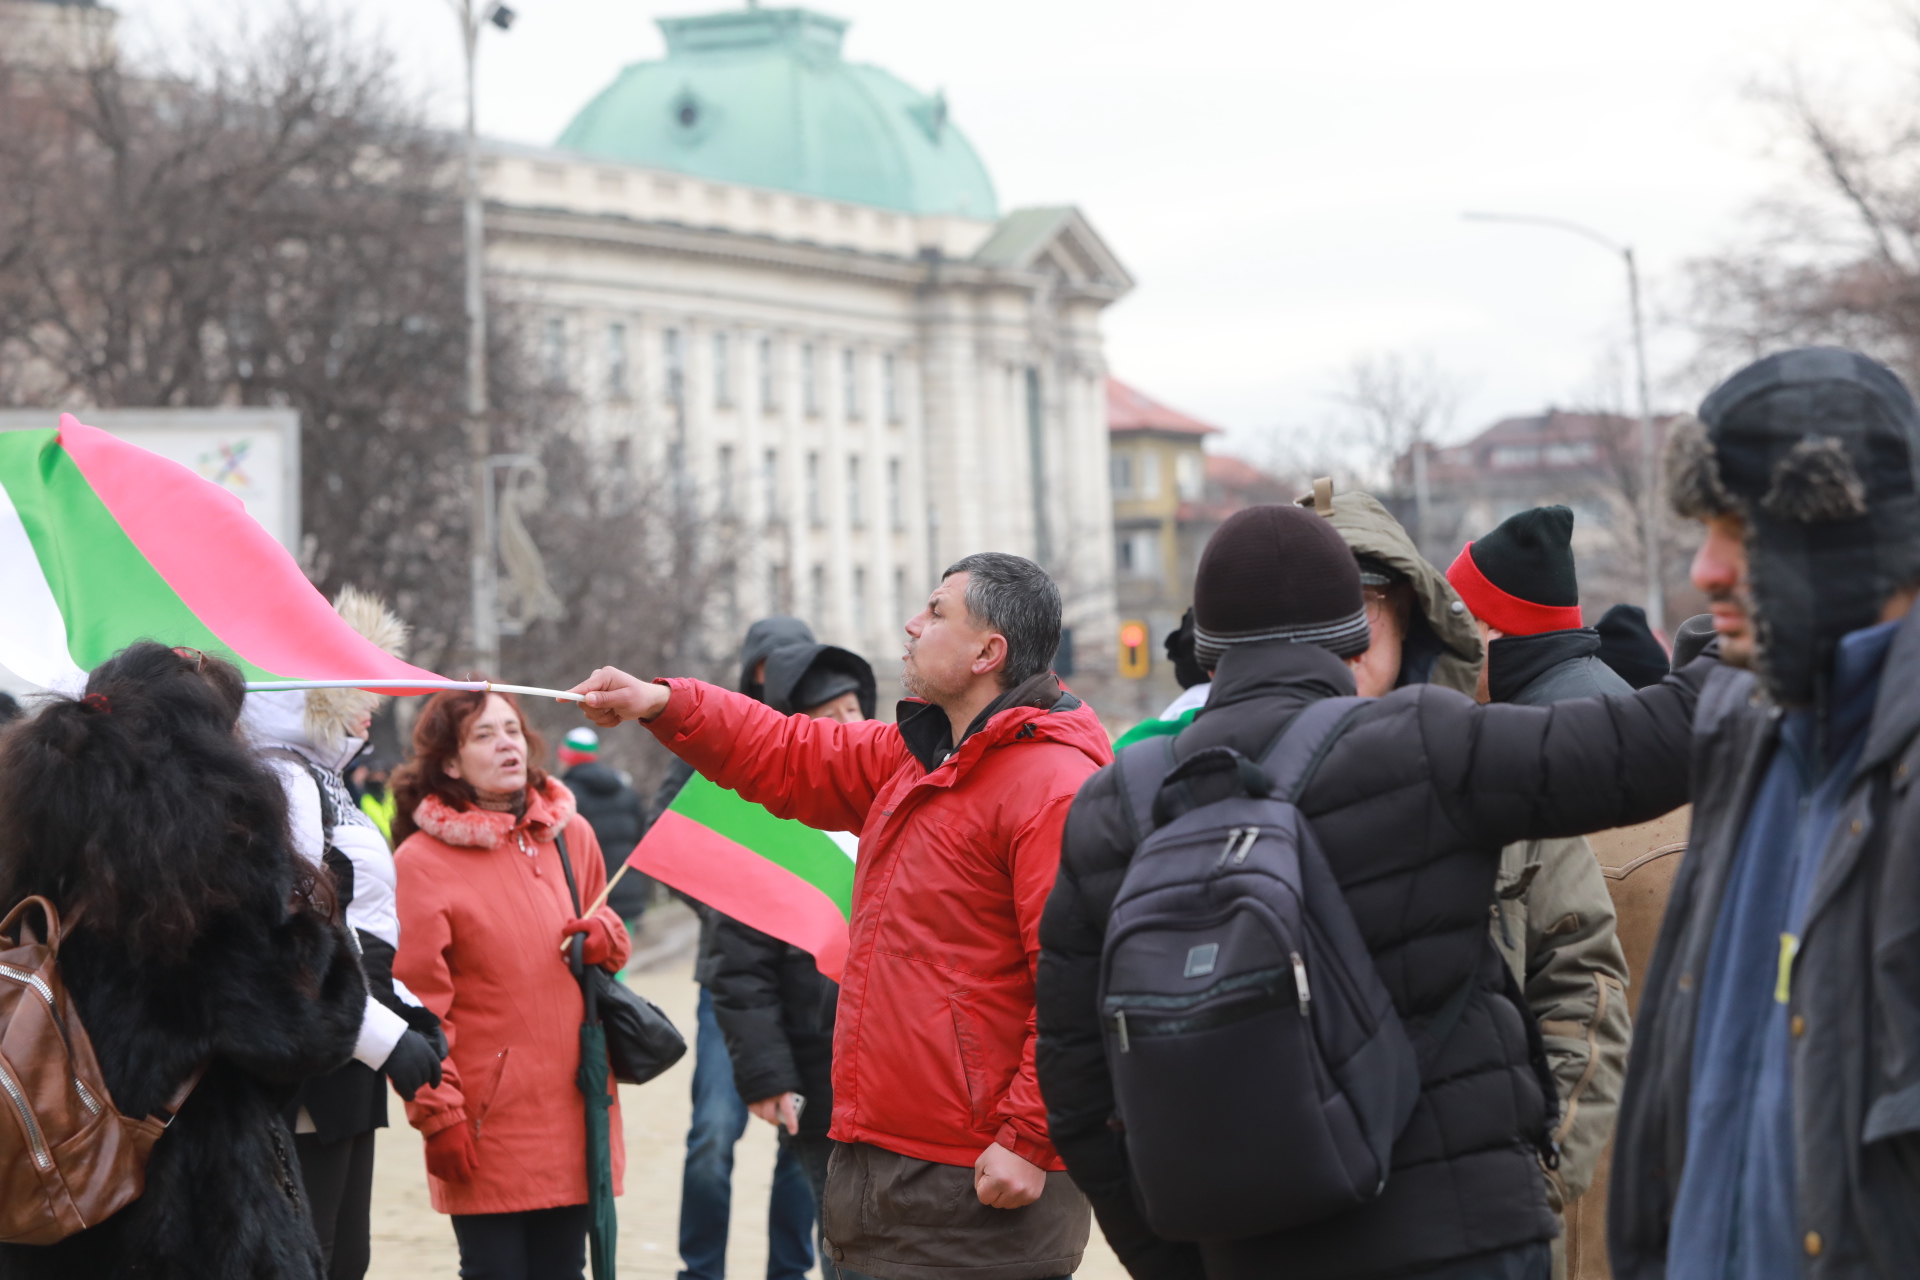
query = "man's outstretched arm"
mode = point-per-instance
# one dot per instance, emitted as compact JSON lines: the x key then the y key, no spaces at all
{"x":820,"y":772}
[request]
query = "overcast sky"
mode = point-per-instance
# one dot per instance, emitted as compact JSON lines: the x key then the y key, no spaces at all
{"x":1285,"y":179}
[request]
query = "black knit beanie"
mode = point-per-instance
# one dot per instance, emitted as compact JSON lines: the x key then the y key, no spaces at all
{"x":1519,"y":579}
{"x":1628,"y":645}
{"x":1277,"y":573}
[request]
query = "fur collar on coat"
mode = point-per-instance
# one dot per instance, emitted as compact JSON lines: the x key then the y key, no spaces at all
{"x":549,"y":809}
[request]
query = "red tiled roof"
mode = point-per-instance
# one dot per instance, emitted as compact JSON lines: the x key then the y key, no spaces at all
{"x":1130,"y":410}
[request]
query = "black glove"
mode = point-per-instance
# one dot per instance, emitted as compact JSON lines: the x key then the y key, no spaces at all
{"x":412,"y":1064}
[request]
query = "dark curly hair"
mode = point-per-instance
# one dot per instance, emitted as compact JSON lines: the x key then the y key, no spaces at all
{"x":140,"y":806}
{"x":437,"y":736}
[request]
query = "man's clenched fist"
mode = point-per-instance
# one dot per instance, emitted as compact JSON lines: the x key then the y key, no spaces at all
{"x":1003,"y":1180}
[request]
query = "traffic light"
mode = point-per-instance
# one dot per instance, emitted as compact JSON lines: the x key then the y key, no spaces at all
{"x":1134,"y":661}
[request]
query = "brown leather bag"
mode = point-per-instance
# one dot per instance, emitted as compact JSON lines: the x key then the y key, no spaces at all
{"x":68,"y":1159}
{"x":1639,"y":864}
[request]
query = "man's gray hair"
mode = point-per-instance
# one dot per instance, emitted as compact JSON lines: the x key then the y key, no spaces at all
{"x":1015,"y":597}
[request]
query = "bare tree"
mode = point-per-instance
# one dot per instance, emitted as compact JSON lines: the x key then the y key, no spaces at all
{"x":1835,"y":258}
{"x":279,"y":226}
{"x":1394,"y":406}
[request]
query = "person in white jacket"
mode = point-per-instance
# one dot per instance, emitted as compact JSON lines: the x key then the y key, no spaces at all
{"x":307,"y":738}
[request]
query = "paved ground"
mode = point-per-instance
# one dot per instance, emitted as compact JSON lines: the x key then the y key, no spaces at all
{"x":412,"y":1242}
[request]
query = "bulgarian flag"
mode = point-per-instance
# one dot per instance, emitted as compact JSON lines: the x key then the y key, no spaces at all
{"x":773,"y":874}
{"x":103,"y":543}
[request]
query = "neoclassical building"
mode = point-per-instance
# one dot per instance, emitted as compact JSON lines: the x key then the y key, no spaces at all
{"x":789,"y":274}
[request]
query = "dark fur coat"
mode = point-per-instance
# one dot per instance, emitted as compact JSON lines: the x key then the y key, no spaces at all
{"x":266,"y":1003}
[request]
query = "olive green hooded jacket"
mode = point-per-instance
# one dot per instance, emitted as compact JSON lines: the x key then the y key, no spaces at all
{"x":1553,"y":919}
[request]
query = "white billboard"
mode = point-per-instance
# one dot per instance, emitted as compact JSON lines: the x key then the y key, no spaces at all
{"x":253,"y":453}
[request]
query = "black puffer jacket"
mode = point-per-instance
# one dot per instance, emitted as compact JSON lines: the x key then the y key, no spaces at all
{"x":1412,"y":806}
{"x":266,"y":1002}
{"x":776,"y":1010}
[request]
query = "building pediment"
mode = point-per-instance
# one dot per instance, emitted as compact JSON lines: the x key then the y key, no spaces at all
{"x":1056,"y":241}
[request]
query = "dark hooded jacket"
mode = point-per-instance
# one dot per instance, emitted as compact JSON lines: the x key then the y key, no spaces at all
{"x":1412,"y":805}
{"x":619,"y":818}
{"x":773,"y":1004}
{"x":1553,"y":666}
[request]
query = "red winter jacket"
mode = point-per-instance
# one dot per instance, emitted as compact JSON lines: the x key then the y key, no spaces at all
{"x":933,"y":1045}
{"x":482,"y":901}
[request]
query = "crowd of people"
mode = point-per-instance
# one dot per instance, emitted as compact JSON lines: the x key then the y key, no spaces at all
{"x":1319,"y":976}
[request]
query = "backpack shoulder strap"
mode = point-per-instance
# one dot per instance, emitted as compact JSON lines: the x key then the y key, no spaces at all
{"x":1295,"y":756}
{"x":1143,"y":766}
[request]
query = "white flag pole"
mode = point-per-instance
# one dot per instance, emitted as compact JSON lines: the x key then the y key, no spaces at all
{"x":474,"y":686}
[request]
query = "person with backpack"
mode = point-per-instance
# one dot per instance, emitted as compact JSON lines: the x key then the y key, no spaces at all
{"x":1275,"y":1035}
{"x":305,"y":737}
{"x":202,"y":956}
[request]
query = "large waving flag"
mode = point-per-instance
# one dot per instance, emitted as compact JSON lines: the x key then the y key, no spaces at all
{"x":778,"y":876}
{"x":103,"y":543}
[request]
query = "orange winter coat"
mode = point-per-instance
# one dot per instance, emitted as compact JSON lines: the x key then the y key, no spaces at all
{"x":934,"y":1039}
{"x":482,"y":902}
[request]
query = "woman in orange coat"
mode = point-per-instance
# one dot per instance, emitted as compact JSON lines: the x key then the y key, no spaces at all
{"x":484,"y":914}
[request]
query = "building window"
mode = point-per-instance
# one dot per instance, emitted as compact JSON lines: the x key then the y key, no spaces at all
{"x":856,"y":501}
{"x":770,"y":483}
{"x":890,"y":387}
{"x":777,"y":589}
{"x":1190,"y":475}
{"x":809,"y":381}
{"x":1146,"y":474}
{"x":859,"y":600}
{"x":850,"y":382}
{"x":1122,"y":464}
{"x":896,"y":503}
{"x":899,"y":595}
{"x":722,"y":373}
{"x":723,"y":479}
{"x":816,"y":507}
{"x":670,"y":348}
{"x":769,"y":389}
{"x":817,"y":597}
{"x":1139,"y":555}
{"x":617,"y":361}
{"x":553,"y":352}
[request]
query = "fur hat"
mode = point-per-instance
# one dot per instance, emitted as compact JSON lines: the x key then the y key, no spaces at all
{"x":331,"y":714}
{"x":1816,"y":450}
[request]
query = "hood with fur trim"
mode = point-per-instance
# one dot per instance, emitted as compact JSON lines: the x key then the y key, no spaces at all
{"x":549,"y":809}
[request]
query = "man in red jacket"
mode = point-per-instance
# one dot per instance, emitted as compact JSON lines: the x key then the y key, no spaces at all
{"x":944,"y":1163}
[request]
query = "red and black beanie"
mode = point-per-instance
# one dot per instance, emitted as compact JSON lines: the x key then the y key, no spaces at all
{"x":1519,"y":579}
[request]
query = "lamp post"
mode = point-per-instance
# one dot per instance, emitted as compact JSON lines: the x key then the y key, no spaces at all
{"x":486,"y":615}
{"x":1649,"y":509}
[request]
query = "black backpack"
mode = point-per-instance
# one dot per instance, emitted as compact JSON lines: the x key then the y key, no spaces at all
{"x":1260,"y":1071}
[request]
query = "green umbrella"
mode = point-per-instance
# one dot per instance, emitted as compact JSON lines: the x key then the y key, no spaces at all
{"x":592,"y":1080}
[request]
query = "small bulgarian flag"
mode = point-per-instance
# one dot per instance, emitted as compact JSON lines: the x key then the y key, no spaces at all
{"x":773,"y":874}
{"x":103,"y":543}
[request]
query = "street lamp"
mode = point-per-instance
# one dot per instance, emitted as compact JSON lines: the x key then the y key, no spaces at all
{"x":1649,"y":513}
{"x":486,"y":620}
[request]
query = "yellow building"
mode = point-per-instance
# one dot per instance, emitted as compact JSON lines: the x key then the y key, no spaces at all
{"x":1159,"y":481}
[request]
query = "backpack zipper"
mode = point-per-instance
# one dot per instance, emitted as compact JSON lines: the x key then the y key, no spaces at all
{"x":1300,"y":982}
{"x":1120,"y":1022}
{"x":40,"y":987}
{"x":41,"y":1159}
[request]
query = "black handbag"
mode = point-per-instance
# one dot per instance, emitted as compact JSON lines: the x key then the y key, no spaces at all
{"x":641,"y":1040}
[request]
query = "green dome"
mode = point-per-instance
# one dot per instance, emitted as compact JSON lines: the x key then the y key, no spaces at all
{"x":763,"y":97}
